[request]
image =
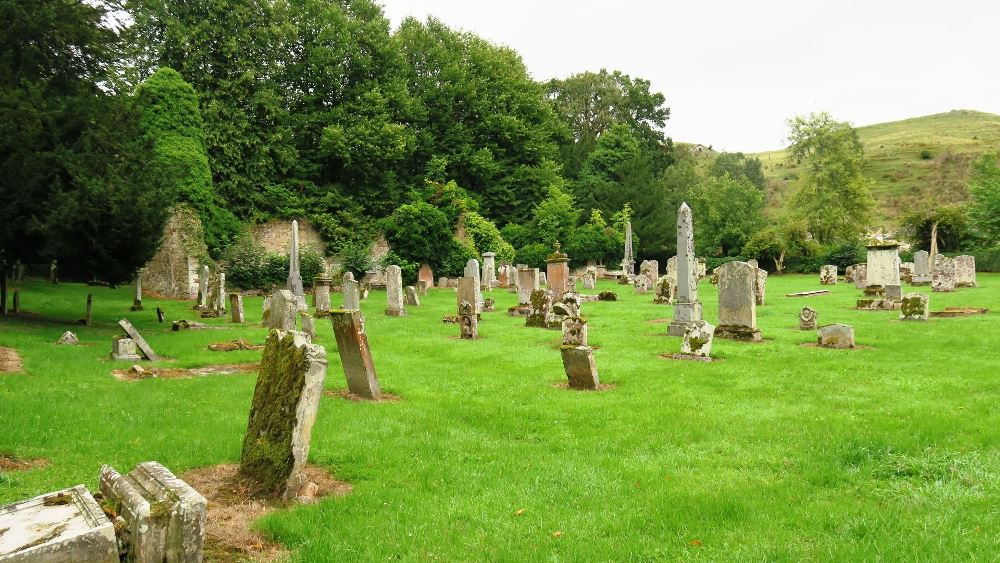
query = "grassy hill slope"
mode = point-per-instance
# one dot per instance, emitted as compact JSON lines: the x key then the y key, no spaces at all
{"x":906,"y":160}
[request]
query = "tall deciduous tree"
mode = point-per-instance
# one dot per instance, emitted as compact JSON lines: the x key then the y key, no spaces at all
{"x":729,"y":212}
{"x":985,"y":209}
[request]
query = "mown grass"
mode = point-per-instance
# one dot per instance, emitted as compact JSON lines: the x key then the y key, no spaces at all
{"x":895,"y":165}
{"x":775,"y":452}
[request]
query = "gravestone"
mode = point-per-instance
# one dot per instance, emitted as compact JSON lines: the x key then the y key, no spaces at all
{"x":698,"y":338}
{"x":737,"y":303}
{"x":664,"y":294}
{"x":702,"y":268}
{"x":641,"y":284}
{"x":308,"y":324}
{"x":882,"y":266}
{"x":687,"y":308}
{"x":355,"y":355}
{"x":906,"y":271}
{"x":540,"y":312}
{"x":123,"y":348}
{"x":808,"y":319}
{"x":16,"y":301}
{"x":285,"y":402}
{"x":137,"y":299}
{"x":650,"y":269}
{"x":410,"y":296}
{"x":542,"y":279}
{"x":394,"y":292}
{"x":68,"y":338}
{"x":835,"y":336}
{"x":578,"y":363}
{"x":66,"y":526}
{"x":282,"y":308}
{"x":503,"y":276}
{"x":89,"y":314}
{"x":53,"y":272}
{"x":893,"y":292}
{"x":574,"y":331}
{"x":321,"y":295}
{"x":442,"y":282}
{"x":160,"y":313}
{"x":466,"y":290}
{"x":468,"y":320}
{"x":426,"y":275}
{"x":421,"y":287}
{"x":557,"y":272}
{"x":590,"y":278}
{"x":472,"y":271}
{"x":628,"y":260}
{"x":828,"y":274}
{"x":914,"y":307}
{"x":921,"y":269}
{"x":203,"y":288}
{"x":965,"y":271}
{"x":672,"y":270}
{"x":236,"y":308}
{"x":164,"y":517}
{"x":352,"y":294}
{"x":489,"y":270}
{"x":760,"y":286}
{"x":943,"y":274}
{"x":144,"y":348}
{"x":527,"y":281}
{"x":294,"y":282}
{"x":219,"y":294}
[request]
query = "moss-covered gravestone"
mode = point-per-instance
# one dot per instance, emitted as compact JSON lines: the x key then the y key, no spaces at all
{"x":285,"y":402}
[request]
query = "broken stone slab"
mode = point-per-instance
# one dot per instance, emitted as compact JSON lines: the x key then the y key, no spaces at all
{"x":808,"y":293}
{"x":163,"y":515}
{"x":468,"y":320}
{"x":410,"y":296}
{"x":894,"y":292}
{"x":184,"y":324}
{"x":285,"y":402}
{"x":283,"y":308}
{"x":123,"y":348}
{"x":959,"y":312}
{"x":876,"y":304}
{"x":808,"y":318}
{"x":914,"y":307}
{"x":698,"y":338}
{"x":68,"y":338}
{"x":574,"y":331}
{"x":828,"y":274}
{"x":581,"y":371}
{"x":140,"y":342}
{"x":61,"y":527}
{"x":835,"y":336}
{"x":355,"y":354}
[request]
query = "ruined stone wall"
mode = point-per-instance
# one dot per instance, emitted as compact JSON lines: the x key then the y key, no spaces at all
{"x":173,"y":270}
{"x":275,"y":235}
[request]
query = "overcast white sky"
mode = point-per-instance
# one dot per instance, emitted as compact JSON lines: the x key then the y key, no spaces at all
{"x":733,"y":71}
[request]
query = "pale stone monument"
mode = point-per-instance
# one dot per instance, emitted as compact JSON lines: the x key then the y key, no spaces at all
{"x":352,"y":295}
{"x":882,"y":267}
{"x":123,"y":348}
{"x":590,"y":278}
{"x":760,"y":286}
{"x":943,"y":274}
{"x":628,"y":260}
{"x":835,"y":336}
{"x":203,"y":280}
{"x":698,"y":338}
{"x":650,"y":269}
{"x":914,"y":307}
{"x":144,"y":348}
{"x":468,"y":319}
{"x":672,"y":270}
{"x":410,"y":297}
{"x":394,"y":292}
{"x":236,"y":308}
{"x":641,"y":284}
{"x":321,"y":295}
{"x":737,"y":303}
{"x":527,"y":281}
{"x":828,"y":274}
{"x":921,"y":268}
{"x":137,"y":300}
{"x":442,"y":282}
{"x":808,"y":318}
{"x":68,"y":338}
{"x":965,"y":271}
{"x":472,"y":271}
{"x":557,"y":273}
{"x":282,"y":309}
{"x":218,"y":305}
{"x":294,"y":282}
{"x":426,"y":274}
{"x":285,"y":402}
{"x":59,"y":527}
{"x":687,"y":308}
{"x":489,"y":270}
{"x":355,"y":355}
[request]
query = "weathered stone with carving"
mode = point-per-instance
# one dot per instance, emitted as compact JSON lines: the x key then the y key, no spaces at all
{"x":574,"y":331}
{"x":664,"y":294}
{"x":698,"y":337}
{"x":760,"y":286}
{"x":294,"y":281}
{"x":540,"y":313}
{"x":914,"y":307}
{"x":882,"y":266}
{"x":442,"y":282}
{"x":144,"y":348}
{"x":236,"y":314}
{"x":943,"y":274}
{"x":285,"y":402}
{"x":68,"y":338}
{"x":421,"y":287}
{"x":123,"y":348}
{"x":641,"y":284}
{"x":650,"y":269}
{"x":355,"y":355}
{"x":906,"y":271}
{"x":410,"y":296}
{"x":282,"y":309}
{"x":394,"y":292}
{"x":352,"y":293}
{"x":737,"y":303}
{"x":687,"y":308}
{"x":921,"y":268}
{"x":858,"y":274}
{"x":808,"y":319}
{"x":557,"y":273}
{"x":628,"y":260}
{"x":965,"y":271}
{"x":893,"y":292}
{"x":308,"y":324}
{"x":321,"y":295}
{"x":137,"y":300}
{"x":64,"y":526}
{"x":828,"y":274}
{"x":468,"y":320}
{"x":835,"y":336}
{"x":472,"y":271}
{"x":581,"y":371}
{"x":489,"y":277}
{"x":203,"y":288}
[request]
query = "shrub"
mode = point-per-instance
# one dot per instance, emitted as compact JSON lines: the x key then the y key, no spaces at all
{"x":419,"y":233}
{"x":925,"y":154}
{"x":249,"y":266}
{"x":486,"y":237}
{"x":407,"y":268}
{"x":458,"y":256}
{"x":533,"y":255}
{"x":845,"y":254}
{"x":356,"y":258}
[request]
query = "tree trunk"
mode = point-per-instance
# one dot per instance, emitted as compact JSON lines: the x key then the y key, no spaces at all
{"x":779,"y":263}
{"x":3,"y":290}
{"x":934,"y":244}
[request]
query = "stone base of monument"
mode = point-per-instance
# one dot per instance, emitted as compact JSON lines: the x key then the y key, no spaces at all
{"x":136,"y":305}
{"x":920,"y":280}
{"x":874,"y":291}
{"x":684,"y":315}
{"x":741,"y":333}
{"x":66,"y":525}
{"x":519,"y":311}
{"x":395,"y":312}
{"x":959,"y":312}
{"x":835,"y":336}
{"x":877,"y":304}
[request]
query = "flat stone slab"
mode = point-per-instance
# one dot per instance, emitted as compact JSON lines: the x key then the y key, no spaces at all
{"x":140,"y":342}
{"x":63,"y":526}
{"x":959,"y":312}
{"x":808,"y":293}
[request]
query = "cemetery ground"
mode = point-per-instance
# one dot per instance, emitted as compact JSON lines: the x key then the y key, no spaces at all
{"x":776,"y":451}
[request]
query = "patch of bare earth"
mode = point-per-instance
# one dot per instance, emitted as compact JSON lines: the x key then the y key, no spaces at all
{"x":815,"y":345}
{"x":689,"y":357}
{"x":232,"y":346}
{"x":232,"y":510}
{"x":10,"y":362}
{"x":600,"y":387}
{"x":11,"y":462}
{"x":138,"y":372}
{"x":345,"y":394}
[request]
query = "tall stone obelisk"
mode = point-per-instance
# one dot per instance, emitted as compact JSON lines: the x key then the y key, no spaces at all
{"x":294,"y":283}
{"x":628,"y":262}
{"x":687,"y":308}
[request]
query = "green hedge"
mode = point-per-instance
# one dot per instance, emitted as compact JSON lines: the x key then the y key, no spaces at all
{"x":250,"y":266}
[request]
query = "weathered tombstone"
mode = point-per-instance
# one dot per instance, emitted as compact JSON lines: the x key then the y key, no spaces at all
{"x":426,"y":275}
{"x":921,"y":268}
{"x":698,"y":339}
{"x":835,"y":336}
{"x":664,"y":294}
{"x":541,"y":309}
{"x":542,"y":279}
{"x":650,"y":269}
{"x":355,"y":355}
{"x":503,"y":277}
{"x":557,"y":272}
{"x":906,"y":271}
{"x":472,"y":271}
{"x":468,"y":319}
{"x":68,"y":338}
{"x":421,"y":287}
{"x":914,"y":307}
{"x":18,"y":270}
{"x":137,"y":300}
{"x":882,"y":267}
{"x":15,"y":305}
{"x":590,"y":278}
{"x":737,"y":303}
{"x":466,"y":290}
{"x":527,"y":281}
{"x":308,"y":324}
{"x":687,"y":308}
{"x":53,"y":272}
{"x":236,"y":308}
{"x":943,"y":274}
{"x":352,"y":297}
{"x":321,"y":295}
{"x":641,"y":284}
{"x":893,"y":292}
{"x":294,"y":282}
{"x":828,"y":274}
{"x":702,"y":268}
{"x":568,"y":306}
{"x":123,"y":348}
{"x":89,"y":315}
{"x":282,"y":309}
{"x":160,"y":313}
{"x":410,"y":296}
{"x":163,"y":516}
{"x":672,"y":270}
{"x":965,"y":271}
{"x":219,"y":294}
{"x":285,"y":402}
{"x":574,"y":331}
{"x":489,"y":270}
{"x":144,"y":348}
{"x":808,"y":319}
{"x":59,"y":527}
{"x":203,"y":288}
{"x":581,"y":371}
{"x":760,"y":286}
{"x":394,"y":292}
{"x":628,"y":260}
{"x":442,"y":282}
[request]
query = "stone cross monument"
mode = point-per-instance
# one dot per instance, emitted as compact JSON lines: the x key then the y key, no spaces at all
{"x":687,"y":308}
{"x":628,"y":262}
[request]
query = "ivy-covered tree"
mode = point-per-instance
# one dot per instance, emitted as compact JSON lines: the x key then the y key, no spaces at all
{"x":728,"y":211}
{"x":985,"y":208}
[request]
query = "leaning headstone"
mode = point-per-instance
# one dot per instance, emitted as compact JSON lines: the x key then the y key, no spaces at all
{"x":882,"y":266}
{"x":352,"y":297}
{"x":236,"y":308}
{"x":808,"y":318}
{"x":394,"y":292}
{"x":285,"y":402}
{"x":321,"y":295}
{"x":943,"y":274}
{"x":698,"y":338}
{"x":282,"y":310}
{"x":737,"y":303}
{"x":557,"y":272}
{"x":472,"y":271}
{"x":140,"y":342}
{"x":410,"y":296}
{"x":489,"y":270}
{"x":355,"y":355}
{"x":137,"y":299}
{"x":921,"y":268}
{"x":294,"y":281}
{"x":468,"y":320}
{"x":965,"y":271}
{"x":68,"y":338}
{"x":914,"y":307}
{"x":123,"y":348}
{"x":164,"y":517}
{"x":59,"y":527}
{"x":835,"y":336}
{"x":828,"y":274}
{"x":581,"y":371}
{"x":687,"y":308}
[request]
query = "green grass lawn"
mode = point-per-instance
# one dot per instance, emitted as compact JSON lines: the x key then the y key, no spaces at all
{"x":775,"y":452}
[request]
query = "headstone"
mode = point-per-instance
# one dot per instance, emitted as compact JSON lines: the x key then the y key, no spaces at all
{"x":285,"y":402}
{"x":808,"y":319}
{"x":163,"y":515}
{"x":60,"y":527}
{"x":921,"y":269}
{"x":321,"y":295}
{"x":236,"y":308}
{"x":352,"y":297}
{"x":760,"y":286}
{"x":283,"y":307}
{"x":641,"y":284}
{"x":914,"y":307}
{"x":542,"y":279}
{"x":965,"y":271}
{"x":442,"y":282}
{"x":489,"y":270}
{"x":160,"y":313}
{"x":664,"y":291}
{"x":123,"y":348}
{"x":698,"y":338}
{"x":89,"y":315}
{"x":203,"y":288}
{"x":18,"y":270}
{"x":557,"y":272}
{"x":687,"y":308}
{"x":737,"y":302}
{"x":883,"y":264}
{"x":835,"y":336}
{"x":906,"y":271}
{"x":828,"y":274}
{"x":650,"y":269}
{"x":410,"y":297}
{"x":308,"y":324}
{"x":860,"y":276}
{"x":628,"y":260}
{"x":53,"y":272}
{"x":219,"y":294}
{"x":672,"y":270}
{"x":472,"y":271}
{"x":503,"y":277}
{"x":294,"y":282}
{"x":753,"y":262}
{"x":68,"y":338}
{"x":574,"y":331}
{"x":421,"y":287}
{"x":426,"y":275}
{"x":540,"y":312}
{"x":527,"y":281}
{"x":394,"y":292}
{"x":355,"y":355}
{"x":590,"y":278}
{"x":702,"y":268}
{"x":15,"y":300}
{"x":568,"y":306}
{"x":468,"y":320}
{"x":943,"y":274}
{"x":140,"y":342}
{"x":581,"y":371}
{"x":137,"y":300}
{"x":893,"y":292}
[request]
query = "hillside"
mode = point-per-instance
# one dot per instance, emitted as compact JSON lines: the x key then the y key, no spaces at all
{"x":906,"y":159}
